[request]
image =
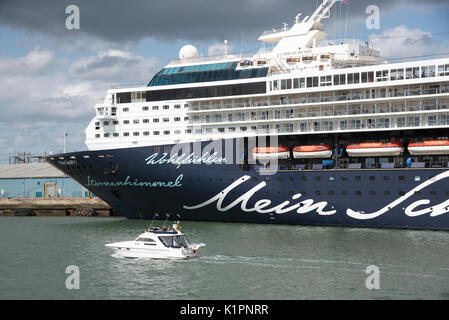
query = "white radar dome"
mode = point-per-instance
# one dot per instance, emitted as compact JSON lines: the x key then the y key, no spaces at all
{"x":188,"y":52}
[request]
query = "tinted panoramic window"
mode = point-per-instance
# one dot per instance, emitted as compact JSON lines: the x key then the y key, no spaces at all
{"x":205,"y":73}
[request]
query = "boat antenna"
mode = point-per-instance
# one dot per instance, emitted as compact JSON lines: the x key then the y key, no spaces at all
{"x":167,"y":215}
{"x":155,"y":215}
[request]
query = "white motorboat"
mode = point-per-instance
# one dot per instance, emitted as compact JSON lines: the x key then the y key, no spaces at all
{"x":156,"y":243}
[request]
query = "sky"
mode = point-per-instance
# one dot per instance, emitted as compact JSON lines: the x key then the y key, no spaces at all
{"x":51,"y":77}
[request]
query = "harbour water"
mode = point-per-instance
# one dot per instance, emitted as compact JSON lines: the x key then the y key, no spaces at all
{"x":240,"y":261}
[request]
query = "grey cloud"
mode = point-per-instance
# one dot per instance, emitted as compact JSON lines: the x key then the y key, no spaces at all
{"x":114,"y":65}
{"x":121,"y":21}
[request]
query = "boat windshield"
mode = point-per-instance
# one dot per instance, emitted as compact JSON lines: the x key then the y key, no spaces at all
{"x":175,"y":241}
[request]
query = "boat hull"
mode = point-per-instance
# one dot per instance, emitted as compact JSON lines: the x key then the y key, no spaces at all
{"x":372,"y":152}
{"x":428,"y":150}
{"x":139,"y":182}
{"x":312,"y":154}
{"x":127,"y":250}
{"x":271,"y":156}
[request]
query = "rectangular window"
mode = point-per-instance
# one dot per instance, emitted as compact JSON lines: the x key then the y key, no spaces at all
{"x":146,"y":120}
{"x":381,"y":75}
{"x":125,"y":121}
{"x":364,"y":77}
{"x":126,"y":134}
{"x":155,"y":107}
{"x":296,"y":83}
{"x":136,"y":121}
{"x":145,"y":108}
{"x":166,"y":107}
{"x":350,"y":78}
{"x":155,"y":133}
{"x":336,"y":80}
{"x":325,"y":81}
{"x":177,"y":106}
{"x":155,"y":120}
{"x":309,"y":82}
{"x":146,"y":133}
{"x":409,"y":73}
{"x":135,"y":134}
{"x":283,"y":84}
{"x":125,"y":109}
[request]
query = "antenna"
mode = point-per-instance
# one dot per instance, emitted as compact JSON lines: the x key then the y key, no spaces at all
{"x":241,"y":43}
{"x":226,"y":48}
{"x":155,"y":215}
{"x":167,"y":215}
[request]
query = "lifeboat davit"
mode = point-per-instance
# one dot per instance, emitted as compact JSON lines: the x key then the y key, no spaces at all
{"x":313,"y":151}
{"x":268,"y":153}
{"x":372,"y":149}
{"x":429,"y":147}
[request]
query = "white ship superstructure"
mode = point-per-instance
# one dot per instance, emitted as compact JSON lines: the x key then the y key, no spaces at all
{"x":304,"y":85}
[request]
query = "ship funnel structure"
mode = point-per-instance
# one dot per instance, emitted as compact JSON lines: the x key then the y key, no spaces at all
{"x":303,"y":34}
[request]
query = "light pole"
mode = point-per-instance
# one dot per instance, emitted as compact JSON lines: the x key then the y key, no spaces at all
{"x":65,"y":135}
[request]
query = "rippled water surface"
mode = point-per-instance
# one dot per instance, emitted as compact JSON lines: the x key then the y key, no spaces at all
{"x":240,"y":261}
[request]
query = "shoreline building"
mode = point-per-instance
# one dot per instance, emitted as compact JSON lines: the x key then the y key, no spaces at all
{"x":37,"y":180}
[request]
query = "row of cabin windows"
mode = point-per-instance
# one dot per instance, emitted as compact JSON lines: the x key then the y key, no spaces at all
{"x":137,"y":121}
{"x":164,"y":107}
{"x":360,"y":77}
{"x":144,"y":133}
{"x":317,"y":178}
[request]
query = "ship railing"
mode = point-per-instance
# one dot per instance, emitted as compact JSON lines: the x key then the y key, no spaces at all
{"x":307,"y":100}
{"x":125,"y":86}
{"x":376,"y":112}
{"x":328,"y":126}
{"x":373,"y":62}
{"x":230,"y":56}
{"x":273,"y":31}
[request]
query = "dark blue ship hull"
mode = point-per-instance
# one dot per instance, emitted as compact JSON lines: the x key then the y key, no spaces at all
{"x":144,"y":181}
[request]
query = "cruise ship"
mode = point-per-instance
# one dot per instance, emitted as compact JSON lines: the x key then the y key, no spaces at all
{"x":308,"y":132}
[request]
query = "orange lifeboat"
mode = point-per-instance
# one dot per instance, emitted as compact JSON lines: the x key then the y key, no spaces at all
{"x":312,"y":151}
{"x":372,"y":149}
{"x":429,"y":147}
{"x":268,"y":153}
